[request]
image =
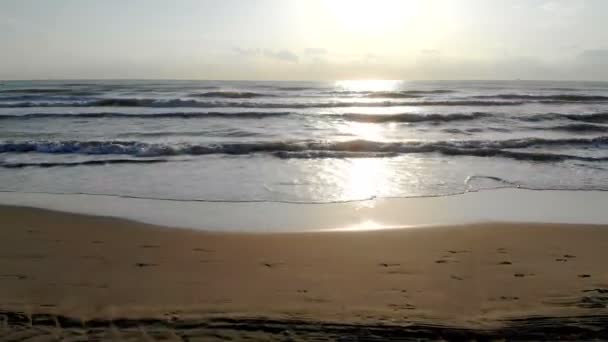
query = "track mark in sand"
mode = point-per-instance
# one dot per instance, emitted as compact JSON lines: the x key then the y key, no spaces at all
{"x":569,"y":256}
{"x":400,"y":271}
{"x":150,"y":246}
{"x":13,"y":276}
{"x":455,"y":277}
{"x":596,"y":299}
{"x":584,"y":276}
{"x":201,"y":250}
{"x":144,"y":264}
{"x":272,"y":264}
{"x":561,"y":260}
{"x":519,"y":275}
{"x":505,"y":263}
{"x":501,"y":250}
{"x":97,"y":242}
{"x":459,"y":251}
{"x":384,"y":264}
{"x":441,"y":261}
{"x":509,"y":298}
{"x":32,"y":231}
{"x":601,"y":291}
{"x":318,"y":300}
{"x":302,"y":291}
{"x":402,"y":306}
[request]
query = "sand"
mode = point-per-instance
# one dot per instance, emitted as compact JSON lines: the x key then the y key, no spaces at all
{"x":75,"y":276}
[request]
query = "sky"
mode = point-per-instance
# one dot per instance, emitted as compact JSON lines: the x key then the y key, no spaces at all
{"x":304,"y":39}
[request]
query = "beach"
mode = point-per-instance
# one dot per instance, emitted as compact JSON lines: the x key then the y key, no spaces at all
{"x":313,"y":210}
{"x":70,"y":275}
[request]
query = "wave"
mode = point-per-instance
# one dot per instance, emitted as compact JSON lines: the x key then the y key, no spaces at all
{"x":593,"y":117}
{"x":132,"y":102}
{"x":176,"y":115}
{"x":396,"y":94}
{"x":410,"y":117}
{"x":579,"y":127}
{"x":317,"y":149}
{"x":38,"y":91}
{"x":83,"y":163}
{"x":234,"y":133}
{"x":557,"y":98}
{"x":232,"y":94}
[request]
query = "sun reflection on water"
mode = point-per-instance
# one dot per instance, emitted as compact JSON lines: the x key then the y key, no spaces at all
{"x":368,"y":85}
{"x":365,"y":178}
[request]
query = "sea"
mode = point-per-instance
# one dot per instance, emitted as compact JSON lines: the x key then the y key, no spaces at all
{"x":300,"y":142}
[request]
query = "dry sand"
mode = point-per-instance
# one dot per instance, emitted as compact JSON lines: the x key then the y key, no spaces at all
{"x":83,"y":277}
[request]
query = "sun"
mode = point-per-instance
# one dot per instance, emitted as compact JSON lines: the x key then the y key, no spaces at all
{"x":370,"y":16}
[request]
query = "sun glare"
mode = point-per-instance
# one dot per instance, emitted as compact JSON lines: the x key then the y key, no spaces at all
{"x":370,"y":16}
{"x":368,"y":85}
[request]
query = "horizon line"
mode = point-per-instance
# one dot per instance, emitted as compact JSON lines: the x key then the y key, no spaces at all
{"x":300,"y":80}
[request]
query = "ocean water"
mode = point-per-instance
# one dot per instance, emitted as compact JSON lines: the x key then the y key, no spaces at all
{"x":301,"y":141}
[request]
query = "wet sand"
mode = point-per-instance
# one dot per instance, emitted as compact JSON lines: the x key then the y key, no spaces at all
{"x":66,"y":275}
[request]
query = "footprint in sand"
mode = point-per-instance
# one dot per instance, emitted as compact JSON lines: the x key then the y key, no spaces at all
{"x":584,"y":276}
{"x":505,"y":263}
{"x":565,"y":258}
{"x":441,"y":261}
{"x":144,"y":264}
{"x":456,"y":277}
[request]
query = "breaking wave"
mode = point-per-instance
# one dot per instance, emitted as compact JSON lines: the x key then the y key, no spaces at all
{"x":577,"y":127}
{"x":593,"y":117}
{"x":232,"y":94}
{"x":174,"y":103}
{"x":410,"y":117}
{"x":557,"y":98}
{"x":84,"y":163}
{"x":319,"y":149}
{"x":176,"y":115}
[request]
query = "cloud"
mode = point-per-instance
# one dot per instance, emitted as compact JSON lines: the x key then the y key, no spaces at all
{"x":315,"y":51}
{"x":562,"y":7}
{"x":247,"y":52}
{"x":283,"y":55}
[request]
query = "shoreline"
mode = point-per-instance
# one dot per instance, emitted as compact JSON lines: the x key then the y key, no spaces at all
{"x":497,"y":205}
{"x":474,"y":279}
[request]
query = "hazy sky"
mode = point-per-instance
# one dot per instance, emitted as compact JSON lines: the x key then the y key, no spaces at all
{"x":304,"y":39}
